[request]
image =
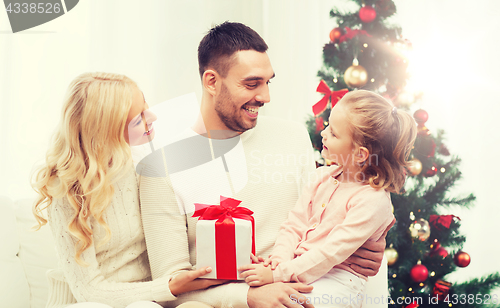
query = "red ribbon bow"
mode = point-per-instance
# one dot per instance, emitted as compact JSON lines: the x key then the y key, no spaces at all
{"x":225,"y":232}
{"x":350,"y":34}
{"x":439,"y":221}
{"x":334,"y":96}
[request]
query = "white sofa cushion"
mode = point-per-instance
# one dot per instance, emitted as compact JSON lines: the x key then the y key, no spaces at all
{"x":37,"y":251}
{"x":14,"y":288}
{"x":25,"y":257}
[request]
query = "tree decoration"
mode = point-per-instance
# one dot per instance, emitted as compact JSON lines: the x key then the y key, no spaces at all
{"x":420,"y":229}
{"x":439,"y":252}
{"x":392,"y":255}
{"x":414,"y":304}
{"x":441,"y":289}
{"x":319,"y":124}
{"x":421,"y":116}
{"x":414,"y":166}
{"x":367,"y":14}
{"x":435,"y":245}
{"x":423,"y":131}
{"x":442,"y":222}
{"x":432,"y":171}
{"x":461,"y":259}
{"x":355,"y":76}
{"x":350,"y":34}
{"x":335,"y":34}
{"x":333,"y":96}
{"x":419,"y":273}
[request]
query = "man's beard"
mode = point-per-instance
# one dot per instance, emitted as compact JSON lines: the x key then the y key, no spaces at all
{"x":229,"y":114}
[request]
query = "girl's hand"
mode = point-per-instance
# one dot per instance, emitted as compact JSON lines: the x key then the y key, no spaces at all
{"x":189,"y":281}
{"x":273,"y":263}
{"x":256,"y":274}
{"x":255,"y":259}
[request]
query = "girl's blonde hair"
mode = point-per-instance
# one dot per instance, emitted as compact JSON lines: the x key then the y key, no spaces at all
{"x":88,"y":153}
{"x":386,"y":132}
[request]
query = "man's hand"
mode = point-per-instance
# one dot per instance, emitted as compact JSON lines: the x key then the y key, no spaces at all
{"x":189,"y":281}
{"x":279,"y":295}
{"x":368,"y":258}
{"x":256,"y":274}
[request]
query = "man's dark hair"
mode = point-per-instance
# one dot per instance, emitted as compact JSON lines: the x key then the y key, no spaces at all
{"x":222,"y":41}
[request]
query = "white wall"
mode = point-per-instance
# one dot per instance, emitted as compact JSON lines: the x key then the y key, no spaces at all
{"x":155,"y":42}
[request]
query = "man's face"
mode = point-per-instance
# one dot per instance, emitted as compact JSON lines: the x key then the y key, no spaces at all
{"x":244,"y":90}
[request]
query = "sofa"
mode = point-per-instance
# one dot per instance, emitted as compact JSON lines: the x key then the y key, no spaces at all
{"x":26,"y":255}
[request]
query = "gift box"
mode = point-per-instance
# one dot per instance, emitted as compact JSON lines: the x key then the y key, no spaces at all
{"x":225,"y":237}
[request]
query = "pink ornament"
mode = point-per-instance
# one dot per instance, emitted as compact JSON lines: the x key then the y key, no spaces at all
{"x":367,"y":14}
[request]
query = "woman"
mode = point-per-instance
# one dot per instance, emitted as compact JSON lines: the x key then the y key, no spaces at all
{"x":88,"y":186}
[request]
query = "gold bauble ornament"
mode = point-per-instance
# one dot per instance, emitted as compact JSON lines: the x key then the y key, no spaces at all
{"x":392,"y":255}
{"x":355,"y":76}
{"x":415,"y":166}
{"x":420,"y":229}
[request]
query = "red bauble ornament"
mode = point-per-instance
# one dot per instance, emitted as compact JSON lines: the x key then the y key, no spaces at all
{"x":439,"y":252}
{"x":367,"y":14}
{"x":335,"y":34}
{"x":421,"y":116}
{"x":419,"y":273}
{"x":462,"y":259}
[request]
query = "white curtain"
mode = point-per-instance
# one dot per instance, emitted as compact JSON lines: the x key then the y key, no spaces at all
{"x":155,"y":43}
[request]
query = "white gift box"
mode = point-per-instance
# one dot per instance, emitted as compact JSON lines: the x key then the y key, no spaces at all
{"x":208,"y":255}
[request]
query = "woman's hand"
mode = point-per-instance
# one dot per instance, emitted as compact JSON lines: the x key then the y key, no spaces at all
{"x":190,"y":281}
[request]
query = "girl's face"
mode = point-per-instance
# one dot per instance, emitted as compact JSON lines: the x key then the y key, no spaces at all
{"x":139,"y":126}
{"x":338,"y":146}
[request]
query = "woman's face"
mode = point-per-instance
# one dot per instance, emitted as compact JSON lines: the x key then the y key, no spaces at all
{"x":139,"y":126}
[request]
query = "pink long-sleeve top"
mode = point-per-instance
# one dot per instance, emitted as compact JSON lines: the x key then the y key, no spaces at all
{"x":330,"y":221}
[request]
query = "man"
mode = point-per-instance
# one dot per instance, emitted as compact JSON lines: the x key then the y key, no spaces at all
{"x":264,"y":166}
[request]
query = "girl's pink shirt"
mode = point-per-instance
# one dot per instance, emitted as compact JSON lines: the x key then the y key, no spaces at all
{"x":330,"y":221}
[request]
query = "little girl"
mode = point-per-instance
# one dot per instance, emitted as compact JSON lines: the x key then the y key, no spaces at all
{"x":369,"y":141}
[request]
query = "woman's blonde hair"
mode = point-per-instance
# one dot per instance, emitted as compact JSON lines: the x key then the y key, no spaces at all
{"x":88,"y":154}
{"x":386,"y":132}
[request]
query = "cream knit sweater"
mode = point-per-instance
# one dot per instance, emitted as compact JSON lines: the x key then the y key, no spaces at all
{"x":273,"y":161}
{"x":118,"y":273}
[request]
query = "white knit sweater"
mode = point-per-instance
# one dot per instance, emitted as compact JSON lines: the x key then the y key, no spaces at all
{"x":268,"y":168}
{"x":118,"y":272}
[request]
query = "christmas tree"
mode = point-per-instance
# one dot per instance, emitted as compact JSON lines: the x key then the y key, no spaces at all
{"x":424,"y":246}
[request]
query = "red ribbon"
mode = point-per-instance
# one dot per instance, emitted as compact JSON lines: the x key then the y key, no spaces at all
{"x":350,"y":34}
{"x":334,"y":96}
{"x":439,"y":221}
{"x":225,"y":244}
